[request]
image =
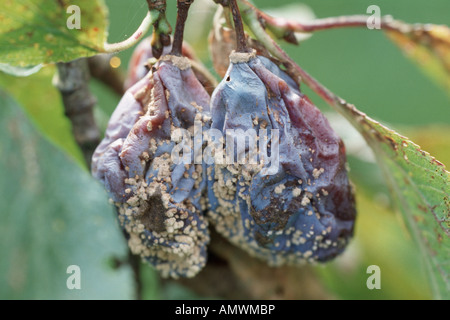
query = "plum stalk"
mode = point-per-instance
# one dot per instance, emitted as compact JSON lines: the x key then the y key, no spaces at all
{"x":183,"y":9}
{"x":241,"y":45}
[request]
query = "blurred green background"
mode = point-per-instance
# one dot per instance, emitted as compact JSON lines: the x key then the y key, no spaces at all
{"x":360,"y":65}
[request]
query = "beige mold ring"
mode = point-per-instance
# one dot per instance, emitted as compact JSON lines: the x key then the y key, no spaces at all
{"x":182,"y":63}
{"x":242,"y":57}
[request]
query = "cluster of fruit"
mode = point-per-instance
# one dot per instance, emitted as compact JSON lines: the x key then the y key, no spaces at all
{"x":292,"y":204}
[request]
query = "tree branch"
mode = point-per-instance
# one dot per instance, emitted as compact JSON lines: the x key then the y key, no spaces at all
{"x":72,"y":80}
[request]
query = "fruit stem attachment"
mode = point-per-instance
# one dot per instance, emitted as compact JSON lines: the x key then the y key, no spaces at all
{"x":161,"y":26}
{"x":183,"y":9}
{"x":241,"y":45}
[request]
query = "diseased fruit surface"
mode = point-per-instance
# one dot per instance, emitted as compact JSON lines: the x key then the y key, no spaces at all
{"x":160,"y":203}
{"x":288,"y":202}
{"x":142,"y":55}
{"x":301,"y":209}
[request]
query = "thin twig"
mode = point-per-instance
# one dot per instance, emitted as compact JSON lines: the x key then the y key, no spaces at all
{"x":131,"y":41}
{"x":386,"y":22}
{"x":72,"y":80}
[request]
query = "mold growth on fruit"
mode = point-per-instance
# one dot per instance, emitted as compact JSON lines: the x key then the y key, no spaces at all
{"x":288,"y":202}
{"x":303,"y":212}
{"x":159,"y":201}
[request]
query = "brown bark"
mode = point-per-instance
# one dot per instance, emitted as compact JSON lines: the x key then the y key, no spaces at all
{"x":72,"y":81}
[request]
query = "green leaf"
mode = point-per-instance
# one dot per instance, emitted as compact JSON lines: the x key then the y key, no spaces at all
{"x":420,"y":186}
{"x":394,"y":251}
{"x":53,"y":215}
{"x":42,"y":102}
{"x":149,"y":281}
{"x":36,"y":31}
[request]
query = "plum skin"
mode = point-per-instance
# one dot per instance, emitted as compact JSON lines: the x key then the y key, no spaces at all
{"x":304,"y":212}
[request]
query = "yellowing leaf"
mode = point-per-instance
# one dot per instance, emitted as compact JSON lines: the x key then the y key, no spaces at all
{"x":429,"y":46}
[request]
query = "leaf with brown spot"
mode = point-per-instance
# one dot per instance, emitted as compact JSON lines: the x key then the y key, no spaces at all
{"x":420,"y":186}
{"x":33,"y":32}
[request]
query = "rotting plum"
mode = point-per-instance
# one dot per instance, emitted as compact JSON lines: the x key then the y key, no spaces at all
{"x":160,"y":202}
{"x":299,"y":208}
{"x":304,"y":210}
